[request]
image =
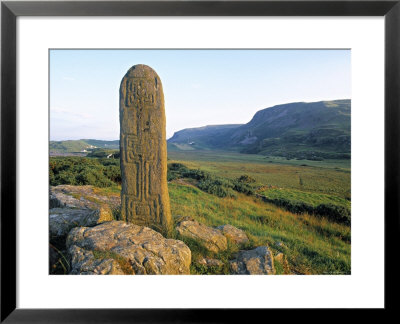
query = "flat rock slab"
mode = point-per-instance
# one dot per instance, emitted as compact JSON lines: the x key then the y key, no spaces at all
{"x":235,"y":235}
{"x":211,"y":238}
{"x":62,"y":220}
{"x":258,"y":261}
{"x":82,"y":197}
{"x":137,"y":250}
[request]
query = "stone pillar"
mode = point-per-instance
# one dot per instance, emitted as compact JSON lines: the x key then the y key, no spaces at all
{"x":143,"y":148}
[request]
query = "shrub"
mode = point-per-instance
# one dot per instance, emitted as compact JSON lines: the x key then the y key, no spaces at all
{"x":243,"y":188}
{"x":335,"y":213}
{"x":210,"y":183}
{"x":84,"y":171}
{"x":175,"y":171}
{"x":246,"y":179}
{"x":197,"y":174}
{"x":216,"y":187}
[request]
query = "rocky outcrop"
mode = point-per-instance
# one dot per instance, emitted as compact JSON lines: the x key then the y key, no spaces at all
{"x":257,"y":261}
{"x":235,"y":235}
{"x":72,"y":206}
{"x":81,"y":197}
{"x":210,"y":238}
{"x":62,"y":220}
{"x":136,"y":249}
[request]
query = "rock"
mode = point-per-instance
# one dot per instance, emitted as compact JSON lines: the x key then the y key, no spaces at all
{"x":257,"y":261}
{"x":209,"y":237}
{"x":72,"y":206}
{"x":234,"y":234}
{"x":210,"y":263}
{"x":137,"y":249}
{"x":143,"y":147}
{"x":62,"y":220}
{"x":84,"y":263}
{"x":81,"y":197}
{"x":280,"y":257}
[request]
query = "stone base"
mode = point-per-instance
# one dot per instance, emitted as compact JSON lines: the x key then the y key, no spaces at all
{"x":122,"y":248}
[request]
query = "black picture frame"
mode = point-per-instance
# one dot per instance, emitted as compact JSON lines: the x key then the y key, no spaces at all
{"x":10,"y":10}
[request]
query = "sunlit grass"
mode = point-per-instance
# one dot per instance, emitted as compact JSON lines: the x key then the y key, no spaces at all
{"x":314,"y":245}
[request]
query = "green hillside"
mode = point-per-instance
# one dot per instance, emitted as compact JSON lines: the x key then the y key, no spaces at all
{"x":315,"y":131}
{"x":74,"y":146}
{"x":206,"y":137}
{"x":68,"y":146}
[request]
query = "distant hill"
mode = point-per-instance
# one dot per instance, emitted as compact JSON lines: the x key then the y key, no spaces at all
{"x":103,"y":144}
{"x":206,"y":137}
{"x":83,"y":145}
{"x":295,"y":130}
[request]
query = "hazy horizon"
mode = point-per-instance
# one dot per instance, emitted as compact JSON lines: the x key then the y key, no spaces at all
{"x":201,"y":87}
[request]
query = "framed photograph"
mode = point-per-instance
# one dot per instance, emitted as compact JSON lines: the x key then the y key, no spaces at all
{"x":156,"y":151}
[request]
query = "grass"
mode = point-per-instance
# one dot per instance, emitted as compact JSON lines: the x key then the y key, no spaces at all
{"x":312,"y":245}
{"x":329,"y":177}
{"x":313,"y":199}
{"x":107,"y":191}
{"x":336,"y":208}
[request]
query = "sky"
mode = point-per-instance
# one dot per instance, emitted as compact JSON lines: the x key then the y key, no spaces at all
{"x":201,"y":87}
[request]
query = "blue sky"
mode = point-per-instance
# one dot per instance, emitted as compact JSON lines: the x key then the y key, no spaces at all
{"x":201,"y":87}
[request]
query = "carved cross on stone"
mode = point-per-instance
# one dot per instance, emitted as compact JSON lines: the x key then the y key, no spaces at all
{"x":143,"y":148}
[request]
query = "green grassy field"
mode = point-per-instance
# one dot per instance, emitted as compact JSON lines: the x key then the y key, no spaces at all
{"x":315,"y":245}
{"x":329,"y":176}
{"x":312,"y":244}
{"x":313,"y":199}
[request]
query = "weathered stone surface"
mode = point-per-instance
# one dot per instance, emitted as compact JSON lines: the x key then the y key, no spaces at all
{"x":143,"y":147}
{"x":257,"y":261}
{"x":280,"y":257}
{"x":62,"y":220}
{"x":235,"y":235}
{"x":210,"y":238}
{"x":143,"y":250}
{"x":84,"y":263}
{"x":82,"y":197}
